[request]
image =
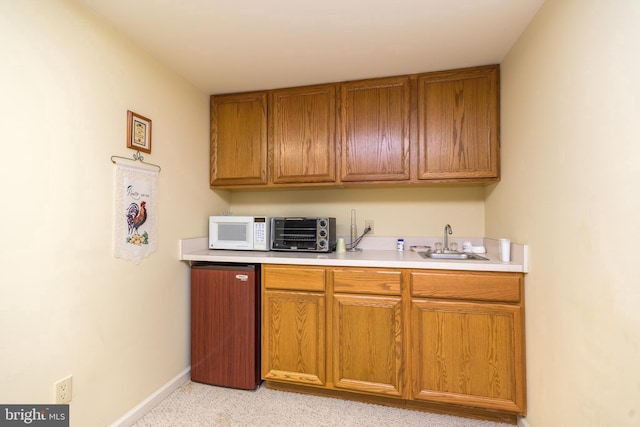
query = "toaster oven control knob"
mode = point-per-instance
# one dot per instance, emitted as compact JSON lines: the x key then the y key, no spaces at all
{"x":322,"y":244}
{"x":322,"y":233}
{"x":322,"y":222}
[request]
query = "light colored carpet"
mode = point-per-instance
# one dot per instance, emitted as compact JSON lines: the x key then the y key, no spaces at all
{"x":195,"y":404}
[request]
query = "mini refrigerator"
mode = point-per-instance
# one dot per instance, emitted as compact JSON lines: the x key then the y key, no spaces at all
{"x":225,"y":324}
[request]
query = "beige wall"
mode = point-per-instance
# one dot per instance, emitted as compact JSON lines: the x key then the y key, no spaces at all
{"x":571,"y":190}
{"x":67,"y":307}
{"x":396,"y":212}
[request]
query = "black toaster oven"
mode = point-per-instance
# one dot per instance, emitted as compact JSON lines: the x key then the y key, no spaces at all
{"x":314,"y":234}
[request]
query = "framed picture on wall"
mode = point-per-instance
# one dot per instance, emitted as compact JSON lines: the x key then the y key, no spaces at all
{"x":138,"y":132}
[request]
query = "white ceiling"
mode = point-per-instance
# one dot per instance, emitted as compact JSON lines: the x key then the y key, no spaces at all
{"x":224,"y":46}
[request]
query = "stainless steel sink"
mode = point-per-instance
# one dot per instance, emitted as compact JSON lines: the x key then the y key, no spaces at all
{"x":453,"y":255}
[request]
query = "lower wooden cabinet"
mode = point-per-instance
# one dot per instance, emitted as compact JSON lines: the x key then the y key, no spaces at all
{"x":468,"y":339}
{"x":463,"y":353}
{"x":367,"y":335}
{"x":293,"y":325}
{"x":447,"y":341}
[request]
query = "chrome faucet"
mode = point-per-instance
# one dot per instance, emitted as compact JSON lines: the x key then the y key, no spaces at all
{"x":447,"y":231}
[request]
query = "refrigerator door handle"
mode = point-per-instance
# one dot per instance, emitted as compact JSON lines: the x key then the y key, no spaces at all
{"x":242,"y":277}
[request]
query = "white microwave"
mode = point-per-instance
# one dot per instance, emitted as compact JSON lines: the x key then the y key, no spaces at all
{"x":246,"y":233}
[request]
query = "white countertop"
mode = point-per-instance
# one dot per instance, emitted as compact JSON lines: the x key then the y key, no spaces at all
{"x":196,"y":249}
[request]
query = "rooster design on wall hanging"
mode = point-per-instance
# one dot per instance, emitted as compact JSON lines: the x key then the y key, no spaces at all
{"x":136,"y":216}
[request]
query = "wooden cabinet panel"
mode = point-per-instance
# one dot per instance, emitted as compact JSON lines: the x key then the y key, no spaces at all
{"x":458,"y":124}
{"x":502,"y":287}
{"x":468,"y":354}
{"x":367,"y":281}
{"x":367,"y":344}
{"x":293,"y":278}
{"x":293,"y":337}
{"x":375,"y":130}
{"x":303,"y":135}
{"x":239,"y":139}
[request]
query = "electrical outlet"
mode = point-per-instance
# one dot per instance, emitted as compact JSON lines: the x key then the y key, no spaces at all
{"x":368,"y":223}
{"x":63,"y":390}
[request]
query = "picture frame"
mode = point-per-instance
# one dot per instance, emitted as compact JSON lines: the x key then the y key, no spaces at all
{"x":138,"y":132}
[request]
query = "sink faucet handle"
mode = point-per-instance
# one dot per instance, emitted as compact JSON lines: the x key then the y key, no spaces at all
{"x":447,"y":231}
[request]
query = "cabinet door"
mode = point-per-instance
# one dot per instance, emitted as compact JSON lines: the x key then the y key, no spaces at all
{"x":367,"y":344}
{"x":367,"y":330}
{"x":458,"y":116}
{"x":468,"y":353}
{"x":303,"y":135}
{"x":293,"y":337}
{"x":293,"y":324}
{"x":239,"y":139}
{"x":375,"y":130}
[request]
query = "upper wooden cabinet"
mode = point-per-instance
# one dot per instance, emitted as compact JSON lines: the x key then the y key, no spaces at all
{"x":430,"y":128}
{"x":239,"y":139}
{"x":458,"y":124}
{"x":375,"y":130}
{"x":302,"y":134}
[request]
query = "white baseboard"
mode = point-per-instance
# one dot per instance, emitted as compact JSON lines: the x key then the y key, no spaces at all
{"x":150,"y":402}
{"x":522,"y":422}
